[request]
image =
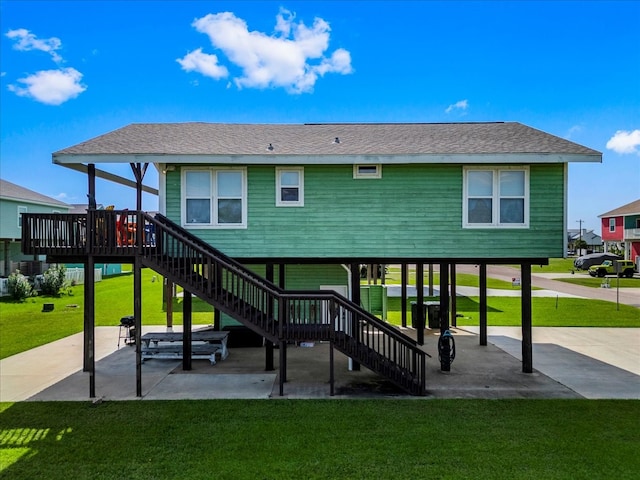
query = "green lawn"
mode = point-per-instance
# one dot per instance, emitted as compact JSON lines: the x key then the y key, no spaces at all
{"x":24,"y":325}
{"x":556,"y":265}
{"x":307,"y":439}
{"x":546,"y":312}
{"x":614,"y":282}
{"x":394,"y":276}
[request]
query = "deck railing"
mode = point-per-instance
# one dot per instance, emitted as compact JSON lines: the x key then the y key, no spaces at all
{"x":285,"y":314}
{"x":97,"y":232}
{"x":279,"y":315}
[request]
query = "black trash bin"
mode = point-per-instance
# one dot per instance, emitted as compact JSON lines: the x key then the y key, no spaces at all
{"x":434,"y":314}
{"x":414,"y":315}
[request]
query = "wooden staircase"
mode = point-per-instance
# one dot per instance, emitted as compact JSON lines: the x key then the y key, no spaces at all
{"x":283,"y":315}
{"x":276,"y":314}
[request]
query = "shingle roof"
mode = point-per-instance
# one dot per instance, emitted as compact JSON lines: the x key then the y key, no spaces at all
{"x":632,"y":208}
{"x":12,"y":191}
{"x":320,"y":139}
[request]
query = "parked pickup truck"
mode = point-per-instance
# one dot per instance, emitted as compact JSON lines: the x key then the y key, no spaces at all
{"x":624,"y":268}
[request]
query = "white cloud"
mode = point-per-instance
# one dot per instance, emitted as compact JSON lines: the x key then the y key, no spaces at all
{"x":203,"y":63}
{"x":625,"y":142}
{"x":52,"y":87}
{"x":460,"y":105}
{"x":283,"y":59}
{"x":572,"y":131}
{"x":25,"y":41}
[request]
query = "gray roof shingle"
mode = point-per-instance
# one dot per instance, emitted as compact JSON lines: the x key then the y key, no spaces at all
{"x":320,"y":139}
{"x":11,"y":191}
{"x":632,"y":208}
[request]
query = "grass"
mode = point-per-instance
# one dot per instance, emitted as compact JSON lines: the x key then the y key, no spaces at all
{"x":393,"y":277}
{"x":556,"y":265}
{"x":546,"y":312}
{"x":24,"y":325}
{"x":614,"y":282}
{"x":271,"y":439}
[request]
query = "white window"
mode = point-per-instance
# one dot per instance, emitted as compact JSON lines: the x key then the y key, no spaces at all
{"x":289,"y":187}
{"x":496,"y":197}
{"x":367,"y":171}
{"x":215,"y":198}
{"x":612,"y":224}
{"x":21,"y":210}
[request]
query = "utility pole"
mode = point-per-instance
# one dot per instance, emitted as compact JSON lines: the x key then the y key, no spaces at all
{"x":580,"y":241}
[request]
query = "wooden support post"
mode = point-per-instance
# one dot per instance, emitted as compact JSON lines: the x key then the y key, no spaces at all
{"x":186,"y":329}
{"x":445,"y":361}
{"x":217,"y":319}
{"x":331,"y":374}
{"x":355,"y":298}
{"x":89,"y":324}
{"x":139,"y":172}
{"x":91,"y":194}
{"x":431,"y":279}
{"x":137,"y":314}
{"x":419,"y":322}
{"x":5,"y":257}
{"x":452,"y":282}
{"x":527,"y":340}
{"x":404,"y":280}
{"x":444,"y":297}
{"x":268,"y":344}
{"x":168,"y":295}
{"x":483,"y":304}
{"x":283,"y":365}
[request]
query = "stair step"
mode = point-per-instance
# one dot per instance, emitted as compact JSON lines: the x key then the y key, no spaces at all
{"x":181,"y":270}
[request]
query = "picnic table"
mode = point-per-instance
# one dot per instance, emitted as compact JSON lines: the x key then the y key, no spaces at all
{"x":205,"y":344}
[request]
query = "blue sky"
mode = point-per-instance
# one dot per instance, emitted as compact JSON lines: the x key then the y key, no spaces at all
{"x":74,"y":70}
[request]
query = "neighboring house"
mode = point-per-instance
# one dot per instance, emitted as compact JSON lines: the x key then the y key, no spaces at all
{"x":621,"y":230}
{"x":303,"y":206}
{"x":14,"y":201}
{"x":591,"y":239}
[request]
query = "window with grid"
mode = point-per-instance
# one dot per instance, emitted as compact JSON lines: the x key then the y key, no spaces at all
{"x":496,"y":197}
{"x":215,"y":198}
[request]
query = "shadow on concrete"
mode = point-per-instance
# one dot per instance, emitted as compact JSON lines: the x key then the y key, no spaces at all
{"x":477,"y":372}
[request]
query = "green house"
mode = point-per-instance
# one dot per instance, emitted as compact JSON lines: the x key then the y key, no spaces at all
{"x":302,"y":207}
{"x":14,"y":201}
{"x":334,"y":194}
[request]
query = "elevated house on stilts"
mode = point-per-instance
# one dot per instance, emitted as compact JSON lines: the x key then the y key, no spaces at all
{"x":271,"y":224}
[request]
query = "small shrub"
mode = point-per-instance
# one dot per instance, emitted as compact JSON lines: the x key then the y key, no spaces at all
{"x":19,"y":286}
{"x":54,"y":279}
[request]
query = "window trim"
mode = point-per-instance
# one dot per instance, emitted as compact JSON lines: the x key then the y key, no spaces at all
{"x":495,"y":197}
{"x":612,"y":224}
{"x":357,"y":174}
{"x":279,"y":186}
{"x":21,"y":209}
{"x":213,"y":199}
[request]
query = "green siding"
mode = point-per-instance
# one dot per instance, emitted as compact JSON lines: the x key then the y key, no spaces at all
{"x":630,"y":222}
{"x":9,"y":230}
{"x":413,"y":211}
{"x":9,"y":215}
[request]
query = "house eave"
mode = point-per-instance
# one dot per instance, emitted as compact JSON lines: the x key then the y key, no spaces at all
{"x":274,"y":158}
